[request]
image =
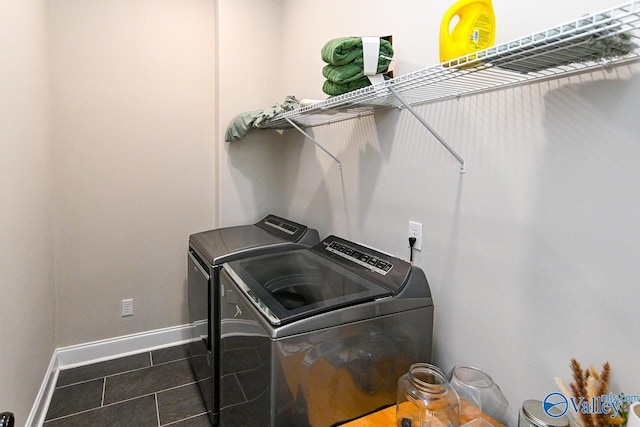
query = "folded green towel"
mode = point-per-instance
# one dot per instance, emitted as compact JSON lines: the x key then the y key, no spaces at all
{"x":345,"y":50}
{"x":333,"y":88}
{"x":346,"y":73}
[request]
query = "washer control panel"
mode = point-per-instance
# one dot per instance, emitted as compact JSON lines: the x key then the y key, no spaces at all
{"x":370,"y":260}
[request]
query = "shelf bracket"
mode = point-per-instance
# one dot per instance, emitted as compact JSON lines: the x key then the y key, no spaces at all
{"x":310,"y":138}
{"x":424,"y":123}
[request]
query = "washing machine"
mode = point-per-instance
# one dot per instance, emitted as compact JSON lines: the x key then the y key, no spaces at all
{"x":318,"y":336}
{"x":208,"y":251}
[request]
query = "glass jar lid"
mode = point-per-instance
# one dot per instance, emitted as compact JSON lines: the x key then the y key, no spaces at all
{"x":535,"y":412}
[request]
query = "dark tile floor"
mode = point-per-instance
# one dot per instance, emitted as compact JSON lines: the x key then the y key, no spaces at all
{"x":154,"y":388}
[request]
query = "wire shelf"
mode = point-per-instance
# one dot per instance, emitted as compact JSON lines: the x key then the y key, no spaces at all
{"x":604,"y":39}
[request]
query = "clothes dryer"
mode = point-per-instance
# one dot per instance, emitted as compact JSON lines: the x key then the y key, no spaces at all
{"x":208,"y":251}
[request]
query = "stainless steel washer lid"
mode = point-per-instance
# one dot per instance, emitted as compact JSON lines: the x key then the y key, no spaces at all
{"x":334,"y":274}
{"x":299,"y":284}
{"x":229,"y":243}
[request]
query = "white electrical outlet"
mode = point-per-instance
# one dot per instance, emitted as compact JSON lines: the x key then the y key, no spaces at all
{"x":127,"y":307}
{"x":415,"y":230}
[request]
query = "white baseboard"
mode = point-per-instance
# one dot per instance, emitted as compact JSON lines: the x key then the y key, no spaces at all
{"x":97,"y":351}
{"x":41,"y":404}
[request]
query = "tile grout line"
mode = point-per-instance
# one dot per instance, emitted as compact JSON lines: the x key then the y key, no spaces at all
{"x":104,"y":390}
{"x":155,"y":396}
{"x":192,"y":417}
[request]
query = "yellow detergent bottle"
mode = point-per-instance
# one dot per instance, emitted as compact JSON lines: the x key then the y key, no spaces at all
{"x":474,"y":30}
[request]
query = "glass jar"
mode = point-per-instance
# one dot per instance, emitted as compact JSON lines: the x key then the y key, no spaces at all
{"x":477,"y":388}
{"x":425,"y":398}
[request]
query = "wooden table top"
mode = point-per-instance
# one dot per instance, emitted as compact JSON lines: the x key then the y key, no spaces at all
{"x":387,"y":417}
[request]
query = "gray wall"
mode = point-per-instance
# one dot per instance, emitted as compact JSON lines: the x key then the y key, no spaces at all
{"x":26,"y":264}
{"x":249,"y":78}
{"x":133,"y":138}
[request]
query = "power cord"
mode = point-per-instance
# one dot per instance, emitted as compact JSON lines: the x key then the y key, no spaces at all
{"x":412,"y":242}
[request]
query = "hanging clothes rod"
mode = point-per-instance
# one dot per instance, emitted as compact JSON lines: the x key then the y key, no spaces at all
{"x":424,"y":123}
{"x":310,"y":138}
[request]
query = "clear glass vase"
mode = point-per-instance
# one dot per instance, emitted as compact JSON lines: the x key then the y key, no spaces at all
{"x":425,"y":398}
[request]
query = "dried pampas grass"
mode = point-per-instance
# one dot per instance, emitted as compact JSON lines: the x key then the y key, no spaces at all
{"x":589,"y":384}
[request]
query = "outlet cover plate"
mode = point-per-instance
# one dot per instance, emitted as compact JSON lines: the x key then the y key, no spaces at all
{"x":415,"y":230}
{"x":127,"y":307}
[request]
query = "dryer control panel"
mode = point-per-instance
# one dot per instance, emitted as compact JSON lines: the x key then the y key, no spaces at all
{"x":283,"y":228}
